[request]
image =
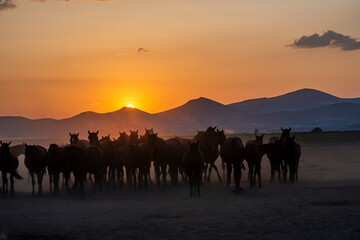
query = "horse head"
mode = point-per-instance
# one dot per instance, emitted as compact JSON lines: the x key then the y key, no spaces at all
{"x":74,"y":138}
{"x":134,"y":136}
{"x":93,"y":137}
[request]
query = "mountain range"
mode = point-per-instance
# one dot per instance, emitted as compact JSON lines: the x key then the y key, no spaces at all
{"x":302,"y":110}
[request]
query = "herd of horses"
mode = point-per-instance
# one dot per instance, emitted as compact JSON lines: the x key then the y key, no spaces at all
{"x":110,"y":161}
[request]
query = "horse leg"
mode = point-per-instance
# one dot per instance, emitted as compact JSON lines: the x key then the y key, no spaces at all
{"x":140,"y":177}
{"x":33,"y":182}
{"x":40,"y":178}
{"x":163,"y":171}
{"x":12,"y":191}
{"x":205,"y":169}
{"x":56,"y":182}
{"x":258,"y":171}
{"x":224,"y":168}
{"x":4,"y":181}
{"x":217,"y":172}
{"x":191,"y":183}
{"x":134,"y":177}
{"x":157,"y":174}
{"x":209,"y":174}
{"x":272,"y":173}
{"x":237,"y":177}
{"x":198,"y":179}
{"x":251,"y":173}
{"x":51,"y":181}
{"x":229,"y":169}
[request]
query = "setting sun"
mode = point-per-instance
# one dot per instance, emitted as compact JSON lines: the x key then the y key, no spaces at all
{"x":130,"y":106}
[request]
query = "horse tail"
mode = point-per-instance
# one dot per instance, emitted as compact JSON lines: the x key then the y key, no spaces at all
{"x":17,"y":175}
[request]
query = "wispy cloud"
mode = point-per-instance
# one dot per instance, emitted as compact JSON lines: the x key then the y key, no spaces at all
{"x":143,"y":50}
{"x":6,"y":4}
{"x":127,"y":54}
{"x":327,"y":39}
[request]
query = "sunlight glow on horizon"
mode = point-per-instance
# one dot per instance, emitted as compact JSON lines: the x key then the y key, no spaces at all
{"x":130,"y":106}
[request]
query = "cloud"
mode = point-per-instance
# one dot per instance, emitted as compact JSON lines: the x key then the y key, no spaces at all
{"x":6,"y":4}
{"x":143,"y":50}
{"x":328,"y":39}
{"x":139,"y":51}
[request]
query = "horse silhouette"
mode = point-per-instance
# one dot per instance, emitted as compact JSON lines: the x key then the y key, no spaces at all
{"x":274,"y":156}
{"x":166,"y":153}
{"x":55,"y":166}
{"x":209,"y":142}
{"x":36,"y":158}
{"x":140,"y":155}
{"x":93,"y":158}
{"x":134,"y":137}
{"x":232,"y":152}
{"x":74,"y":163}
{"x":193,"y":163}
{"x":8,"y":164}
{"x":291,"y":159}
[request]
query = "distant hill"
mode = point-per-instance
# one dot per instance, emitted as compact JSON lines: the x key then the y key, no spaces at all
{"x":302,"y":99}
{"x":302,"y":110}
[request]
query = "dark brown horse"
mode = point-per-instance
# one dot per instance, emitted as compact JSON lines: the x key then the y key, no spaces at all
{"x":8,"y":164}
{"x":166,"y":153}
{"x":232,"y":152}
{"x":57,"y":164}
{"x":274,"y":156}
{"x":36,"y":158}
{"x":93,"y":160}
{"x":291,"y":159}
{"x":140,"y":156}
{"x":209,"y":142}
{"x":253,"y":155}
{"x":193,"y":163}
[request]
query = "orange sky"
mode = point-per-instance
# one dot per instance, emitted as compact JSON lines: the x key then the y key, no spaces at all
{"x":60,"y":58}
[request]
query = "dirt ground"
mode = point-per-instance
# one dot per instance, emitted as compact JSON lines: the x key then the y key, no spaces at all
{"x":324,"y":204}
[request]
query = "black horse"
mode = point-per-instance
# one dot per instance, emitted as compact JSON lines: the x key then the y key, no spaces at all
{"x":93,"y":160}
{"x":209,"y":142}
{"x":36,"y":158}
{"x":57,"y":163}
{"x":140,"y":156}
{"x":193,"y":163}
{"x":232,"y":152}
{"x":274,"y":156}
{"x":8,"y":164}
{"x":166,"y":153}
{"x":291,"y":159}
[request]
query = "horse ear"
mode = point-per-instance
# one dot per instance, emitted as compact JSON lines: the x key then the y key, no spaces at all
{"x":88,"y":132}
{"x":70,"y":134}
{"x":10,"y":142}
{"x":282,"y":129}
{"x":77,"y":134}
{"x":97,"y":131}
{"x":289,"y":129}
{"x":156,"y":134}
{"x":255,"y":135}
